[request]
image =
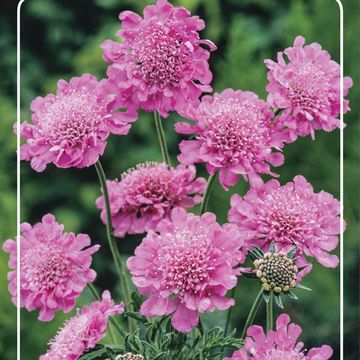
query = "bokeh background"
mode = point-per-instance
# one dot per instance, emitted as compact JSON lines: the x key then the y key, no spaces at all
{"x":61,"y":38}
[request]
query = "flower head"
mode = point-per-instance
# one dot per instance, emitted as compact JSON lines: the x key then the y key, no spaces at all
{"x":84,"y":330}
{"x":289,"y":215}
{"x":307,"y":88}
{"x":146,"y":194}
{"x":187,"y":267}
{"x":70,"y":127}
{"x":54,"y":267}
{"x":279,"y":344}
{"x":160,"y":65}
{"x":233,"y":135}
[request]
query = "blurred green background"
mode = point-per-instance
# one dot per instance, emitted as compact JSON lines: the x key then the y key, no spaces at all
{"x":61,"y":38}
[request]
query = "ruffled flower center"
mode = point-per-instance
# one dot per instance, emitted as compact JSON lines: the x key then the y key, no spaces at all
{"x":45,"y":268}
{"x":237,"y":130}
{"x":185,"y":263}
{"x":160,"y":53}
{"x":71,"y":117}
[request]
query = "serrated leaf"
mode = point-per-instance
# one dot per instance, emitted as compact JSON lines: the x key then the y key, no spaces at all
{"x":292,"y":253}
{"x":110,"y":353}
{"x":300,"y":286}
{"x":278,"y":301}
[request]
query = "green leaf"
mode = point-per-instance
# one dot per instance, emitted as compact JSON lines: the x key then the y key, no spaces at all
{"x":136,"y":316}
{"x":95,"y":354}
{"x":110,"y":353}
{"x":278,"y":300}
{"x":300,"y":286}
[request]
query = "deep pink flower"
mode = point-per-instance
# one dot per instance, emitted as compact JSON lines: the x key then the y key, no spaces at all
{"x":279,"y":344}
{"x":307,"y":88}
{"x":289,"y":215}
{"x":70,"y":128}
{"x":187,"y":267}
{"x":84,"y":330}
{"x":160,"y":65}
{"x":146,"y":194}
{"x":54,"y":267}
{"x":234,"y":135}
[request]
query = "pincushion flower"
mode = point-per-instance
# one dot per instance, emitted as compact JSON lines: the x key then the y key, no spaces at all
{"x":54,"y":267}
{"x":279,"y":344}
{"x":187,"y":267}
{"x":234,"y":135}
{"x":307,"y":88}
{"x":161,"y":64}
{"x":84,"y":330}
{"x":289,"y":215}
{"x":146,"y":194}
{"x":70,"y":128}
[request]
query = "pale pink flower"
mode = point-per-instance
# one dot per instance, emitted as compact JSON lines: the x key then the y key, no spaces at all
{"x":279,"y":344}
{"x":234,"y":135}
{"x":84,"y":330}
{"x":160,"y":65}
{"x":289,"y":215}
{"x":146,"y":194}
{"x":70,"y":128}
{"x":54,"y":267}
{"x":187,"y":267}
{"x":307,"y":87}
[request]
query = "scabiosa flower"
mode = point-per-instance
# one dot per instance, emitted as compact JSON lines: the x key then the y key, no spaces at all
{"x":146,"y":194}
{"x":54,"y":267}
{"x":160,"y":65}
{"x":307,"y":88}
{"x":187,"y":267}
{"x":233,"y":135}
{"x":84,"y":330}
{"x":279,"y":344}
{"x":70,"y":127}
{"x":290,"y":215}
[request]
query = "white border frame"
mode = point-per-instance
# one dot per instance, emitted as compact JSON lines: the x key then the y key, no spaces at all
{"x":18,"y":107}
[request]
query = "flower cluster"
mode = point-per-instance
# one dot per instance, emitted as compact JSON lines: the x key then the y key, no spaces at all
{"x":187,"y":267}
{"x":279,"y":344}
{"x":161,"y":64}
{"x":70,"y":128}
{"x":234,"y":135}
{"x":289,"y":215}
{"x":307,"y":88}
{"x":146,"y":194}
{"x":84,"y":330}
{"x":54,"y":267}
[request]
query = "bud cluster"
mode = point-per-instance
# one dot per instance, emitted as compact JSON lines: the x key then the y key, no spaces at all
{"x":130,"y":356}
{"x":276,"y":272}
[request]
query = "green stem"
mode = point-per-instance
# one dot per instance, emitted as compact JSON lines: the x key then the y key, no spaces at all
{"x":269,"y":313}
{"x":252,"y":313}
{"x":162,"y":139}
{"x":228,"y":317}
{"x":120,"y":268}
{"x":206,"y":197}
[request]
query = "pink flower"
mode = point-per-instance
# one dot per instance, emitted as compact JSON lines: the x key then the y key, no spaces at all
{"x":187,"y":267}
{"x":145,"y":195}
{"x":307,"y":88}
{"x":54,"y":267}
{"x":279,"y":344}
{"x":84,"y":330}
{"x":234,"y":135}
{"x":70,"y":128}
{"x":160,"y":65}
{"x":289,"y":215}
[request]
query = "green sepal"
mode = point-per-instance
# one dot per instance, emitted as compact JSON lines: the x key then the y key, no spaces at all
{"x":292,"y":253}
{"x":266,"y":296}
{"x":278,"y":300}
{"x":272,"y":247}
{"x":291,"y":295}
{"x":300,"y":286}
{"x":250,"y":275}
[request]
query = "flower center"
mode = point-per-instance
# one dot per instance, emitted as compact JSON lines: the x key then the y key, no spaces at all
{"x":45,"y":268}
{"x":160,"y":54}
{"x":276,"y":272}
{"x":71,"y":117}
{"x":185,"y":263}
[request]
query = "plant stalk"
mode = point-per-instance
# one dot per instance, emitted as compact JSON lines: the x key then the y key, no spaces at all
{"x":162,"y":139}
{"x":228,"y":317}
{"x":269,"y":313}
{"x":207,"y":192}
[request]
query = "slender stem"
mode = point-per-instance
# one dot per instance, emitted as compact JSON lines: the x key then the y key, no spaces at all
{"x":252,"y":313}
{"x":120,"y":268}
{"x":206,"y":196}
{"x":162,"y":139}
{"x":269,"y":313}
{"x":228,"y":317}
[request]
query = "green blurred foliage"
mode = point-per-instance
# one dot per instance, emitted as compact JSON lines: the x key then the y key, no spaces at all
{"x":61,"y":38}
